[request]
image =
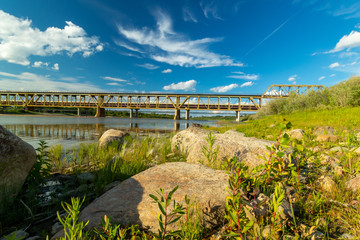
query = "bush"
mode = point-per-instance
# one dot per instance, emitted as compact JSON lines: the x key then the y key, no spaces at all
{"x":344,"y":94}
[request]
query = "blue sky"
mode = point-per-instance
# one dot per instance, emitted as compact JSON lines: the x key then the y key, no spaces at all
{"x":217,"y":46}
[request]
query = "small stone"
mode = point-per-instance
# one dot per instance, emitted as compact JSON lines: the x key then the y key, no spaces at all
{"x":33,"y":238}
{"x":347,"y":236}
{"x":86,"y":177}
{"x":297,"y":134}
{"x":316,"y":149}
{"x":354,"y":184}
{"x":325,"y":159}
{"x":338,"y":171}
{"x":339,"y":149}
{"x":19,"y":234}
{"x":326,"y":183}
{"x":289,"y":237}
{"x":324,"y":130}
{"x":316,"y":235}
{"x":56,"y":228}
{"x":326,"y":138}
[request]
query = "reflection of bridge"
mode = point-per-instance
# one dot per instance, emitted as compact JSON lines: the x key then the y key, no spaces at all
{"x":135,"y":101}
{"x":74,"y":131}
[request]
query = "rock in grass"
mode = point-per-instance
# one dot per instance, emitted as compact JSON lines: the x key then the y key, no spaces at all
{"x":110,"y":136}
{"x":297,"y":134}
{"x":326,"y":138}
{"x":354,"y":184}
{"x":327,"y":184}
{"x":18,"y":234}
{"x":324,"y":130}
{"x":16,"y":160}
{"x":230,"y":144}
{"x":129,"y":202}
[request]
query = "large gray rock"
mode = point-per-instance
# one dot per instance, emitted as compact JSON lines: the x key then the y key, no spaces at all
{"x":110,"y":136}
{"x":230,"y":144}
{"x":129,"y":202}
{"x":16,"y":160}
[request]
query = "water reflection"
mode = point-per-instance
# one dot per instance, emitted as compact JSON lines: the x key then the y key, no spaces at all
{"x":70,"y":131}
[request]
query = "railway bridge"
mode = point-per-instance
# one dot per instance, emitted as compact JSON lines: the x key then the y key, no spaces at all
{"x":136,"y":101}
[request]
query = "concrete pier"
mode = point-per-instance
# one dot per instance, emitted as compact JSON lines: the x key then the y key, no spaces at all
{"x":131,"y":113}
{"x":238,"y":116}
{"x":187,"y":115}
{"x":79,"y":112}
{"x":177,"y":114}
{"x":100,"y":112}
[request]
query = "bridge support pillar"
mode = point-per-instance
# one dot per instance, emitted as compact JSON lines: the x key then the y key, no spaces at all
{"x":136,"y":112}
{"x":187,"y":115}
{"x":131,"y":113}
{"x":79,"y":112}
{"x":238,"y":116}
{"x":100,"y":112}
{"x":177,"y":114}
{"x":176,"y":126}
{"x":27,"y":108}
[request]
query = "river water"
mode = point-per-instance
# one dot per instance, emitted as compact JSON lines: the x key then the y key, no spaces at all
{"x":71,"y":131}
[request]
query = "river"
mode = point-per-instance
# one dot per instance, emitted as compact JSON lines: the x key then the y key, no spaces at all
{"x":71,"y":131}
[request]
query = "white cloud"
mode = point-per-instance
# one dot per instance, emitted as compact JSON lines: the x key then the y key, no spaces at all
{"x":244,"y":76}
{"x":186,"y":86}
{"x":347,"y":42}
{"x":188,"y":15}
{"x":114,"y":79}
{"x":55,"y":67}
{"x":333,"y":75}
{"x":165,"y":45}
{"x":334,"y":65}
{"x":321,"y":78}
{"x":19,"y":40}
{"x":247,"y":84}
{"x":167,"y":71}
{"x":40,"y":64}
{"x":224,"y":88}
{"x":210,"y":10}
{"x":113,"y":84}
{"x":32,"y":82}
{"x":293,"y":78}
{"x":148,"y":66}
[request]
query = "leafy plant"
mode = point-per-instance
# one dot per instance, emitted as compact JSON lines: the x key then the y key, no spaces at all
{"x":210,"y":152}
{"x":42,"y":167}
{"x":238,"y":223}
{"x":168,"y":215}
{"x":73,"y":229}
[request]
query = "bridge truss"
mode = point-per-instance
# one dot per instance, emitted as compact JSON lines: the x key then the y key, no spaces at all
{"x":177,"y":102}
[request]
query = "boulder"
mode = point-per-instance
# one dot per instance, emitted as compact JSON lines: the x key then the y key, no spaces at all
{"x":297,"y":134}
{"x":185,"y":140}
{"x":110,"y":136}
{"x":230,"y":144}
{"x":324,"y":130}
{"x":16,"y":160}
{"x":129,"y":202}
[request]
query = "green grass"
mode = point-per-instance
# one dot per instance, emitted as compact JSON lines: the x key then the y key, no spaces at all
{"x":339,"y":118}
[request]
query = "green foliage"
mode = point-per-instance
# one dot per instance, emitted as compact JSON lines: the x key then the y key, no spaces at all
{"x":73,"y":229}
{"x":276,"y":202}
{"x":169,"y":214}
{"x":210,"y":152}
{"x":42,"y":167}
{"x":192,"y":227}
{"x":239,"y":179}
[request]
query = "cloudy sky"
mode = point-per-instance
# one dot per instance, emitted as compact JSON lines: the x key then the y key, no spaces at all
{"x":206,"y":46}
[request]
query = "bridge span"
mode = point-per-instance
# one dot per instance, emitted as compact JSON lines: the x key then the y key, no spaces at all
{"x":136,"y":101}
